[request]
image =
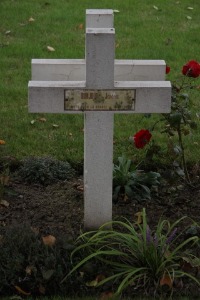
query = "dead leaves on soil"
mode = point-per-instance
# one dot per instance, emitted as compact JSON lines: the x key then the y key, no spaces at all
{"x":79,"y":187}
{"x":21,"y":291}
{"x":166,"y":280}
{"x":49,"y":240}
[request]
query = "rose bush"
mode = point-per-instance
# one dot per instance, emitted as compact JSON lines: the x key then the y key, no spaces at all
{"x":177,"y":124}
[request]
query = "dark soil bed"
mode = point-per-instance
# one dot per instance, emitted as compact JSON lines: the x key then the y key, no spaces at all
{"x":58,"y":208}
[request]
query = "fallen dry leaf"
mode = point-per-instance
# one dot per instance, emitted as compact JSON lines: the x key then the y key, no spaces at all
{"x":80,"y":188}
{"x":50,"y":49}
{"x":4,"y":203}
{"x":99,"y":278}
{"x":139,"y":217}
{"x":21,"y":291}
{"x":80,"y":26}
{"x":49,"y":240}
{"x":125,"y":198}
{"x":42,"y":119}
{"x":166,"y":280}
{"x":91,"y":283}
{"x":31,"y":19}
{"x":2,"y":142}
{"x":106,"y":295}
{"x":4,"y":180}
{"x":35,"y":230}
{"x":29,"y":270}
{"x":42,"y":289}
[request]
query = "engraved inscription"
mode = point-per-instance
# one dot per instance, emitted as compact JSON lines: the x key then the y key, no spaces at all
{"x":117,"y":100}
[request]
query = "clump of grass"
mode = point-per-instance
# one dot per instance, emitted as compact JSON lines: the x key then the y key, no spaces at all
{"x":138,"y":257}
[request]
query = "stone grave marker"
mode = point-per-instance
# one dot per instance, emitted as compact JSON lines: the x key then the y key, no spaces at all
{"x":98,"y":86}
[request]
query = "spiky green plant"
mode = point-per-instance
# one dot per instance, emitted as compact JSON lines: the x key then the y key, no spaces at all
{"x":135,"y":255}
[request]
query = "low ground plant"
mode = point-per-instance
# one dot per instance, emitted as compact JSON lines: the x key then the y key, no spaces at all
{"x":44,"y":170}
{"x":130,"y":182}
{"x":139,"y":258}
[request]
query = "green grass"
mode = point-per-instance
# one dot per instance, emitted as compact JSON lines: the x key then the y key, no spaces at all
{"x":142,"y":32}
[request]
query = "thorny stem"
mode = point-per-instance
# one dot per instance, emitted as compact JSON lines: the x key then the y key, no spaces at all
{"x":183,"y":155}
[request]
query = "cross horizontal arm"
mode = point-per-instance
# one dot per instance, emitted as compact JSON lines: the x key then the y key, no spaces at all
{"x":75,"y":69}
{"x":150,"y":96}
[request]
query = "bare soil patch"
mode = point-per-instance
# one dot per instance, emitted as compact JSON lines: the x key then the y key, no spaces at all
{"x":58,"y":208}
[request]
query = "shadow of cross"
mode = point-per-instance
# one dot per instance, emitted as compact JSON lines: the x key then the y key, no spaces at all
{"x":98,"y":86}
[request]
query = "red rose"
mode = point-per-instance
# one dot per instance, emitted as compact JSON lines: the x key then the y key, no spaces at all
{"x":141,"y":138}
{"x":191,"y":69}
{"x":167,"y":69}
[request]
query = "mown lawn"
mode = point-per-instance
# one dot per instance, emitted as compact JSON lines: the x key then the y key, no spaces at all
{"x":166,"y":30}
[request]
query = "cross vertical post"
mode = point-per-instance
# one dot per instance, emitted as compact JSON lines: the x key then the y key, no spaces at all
{"x":98,"y":126}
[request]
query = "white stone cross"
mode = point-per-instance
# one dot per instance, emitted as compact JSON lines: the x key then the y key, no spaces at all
{"x":98,"y":86}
